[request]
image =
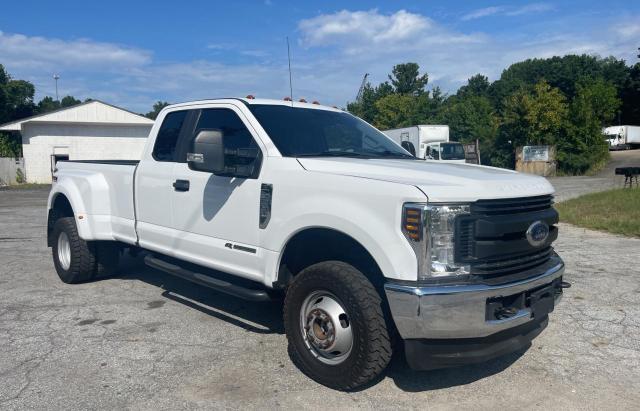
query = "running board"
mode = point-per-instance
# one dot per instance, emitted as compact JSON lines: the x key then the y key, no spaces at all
{"x":207,"y":280}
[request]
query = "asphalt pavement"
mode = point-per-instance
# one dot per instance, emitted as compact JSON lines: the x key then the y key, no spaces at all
{"x":145,"y":340}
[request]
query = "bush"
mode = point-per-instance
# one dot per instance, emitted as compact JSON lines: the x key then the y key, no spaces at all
{"x":20,"y":177}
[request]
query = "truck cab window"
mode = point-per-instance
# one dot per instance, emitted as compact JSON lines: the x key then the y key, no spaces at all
{"x":167,"y":139}
{"x":236,"y":134}
{"x":452,"y":151}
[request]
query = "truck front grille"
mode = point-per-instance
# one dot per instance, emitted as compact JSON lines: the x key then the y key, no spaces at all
{"x":512,"y":205}
{"x":492,"y":239}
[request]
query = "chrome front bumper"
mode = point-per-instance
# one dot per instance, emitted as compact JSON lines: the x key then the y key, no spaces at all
{"x":460,"y":311}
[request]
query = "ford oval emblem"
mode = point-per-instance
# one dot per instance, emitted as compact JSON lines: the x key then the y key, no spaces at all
{"x":537,"y":233}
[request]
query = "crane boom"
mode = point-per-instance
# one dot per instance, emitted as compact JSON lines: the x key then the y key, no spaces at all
{"x":361,"y":89}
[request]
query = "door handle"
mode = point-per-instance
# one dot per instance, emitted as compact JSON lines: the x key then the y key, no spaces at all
{"x":181,"y":185}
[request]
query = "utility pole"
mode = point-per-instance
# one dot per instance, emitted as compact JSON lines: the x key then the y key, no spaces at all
{"x":56,"y":78}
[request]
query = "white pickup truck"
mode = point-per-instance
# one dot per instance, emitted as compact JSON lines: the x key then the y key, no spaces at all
{"x":265,"y":199}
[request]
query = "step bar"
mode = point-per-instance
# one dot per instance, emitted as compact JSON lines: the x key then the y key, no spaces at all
{"x":208,"y":281}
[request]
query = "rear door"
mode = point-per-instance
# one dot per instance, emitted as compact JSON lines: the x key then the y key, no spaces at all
{"x":154,"y":185}
{"x":217,"y":217}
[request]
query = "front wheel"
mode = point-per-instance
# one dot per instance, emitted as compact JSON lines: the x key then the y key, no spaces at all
{"x":335,"y":326}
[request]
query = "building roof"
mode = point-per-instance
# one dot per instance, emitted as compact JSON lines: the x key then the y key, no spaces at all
{"x":94,"y":111}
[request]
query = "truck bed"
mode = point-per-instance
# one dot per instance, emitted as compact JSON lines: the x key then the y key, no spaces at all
{"x":111,"y":162}
{"x":106,"y":195}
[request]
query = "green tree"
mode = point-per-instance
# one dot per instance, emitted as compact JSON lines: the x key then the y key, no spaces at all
{"x":470,"y":118}
{"x":16,"y":97}
{"x":563,"y":73}
{"x":68,"y":101}
{"x":535,"y":115}
{"x":547,"y":113}
{"x":9,"y":145}
{"x":157,"y":108}
{"x":47,"y":104}
{"x":430,"y":106}
{"x":406,"y":79}
{"x":583,"y":148}
{"x":630,"y":95}
{"x":394,"y":111}
{"x":366,"y":107}
{"x":477,"y":85}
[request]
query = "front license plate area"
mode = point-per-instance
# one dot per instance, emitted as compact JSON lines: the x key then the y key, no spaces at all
{"x":542,"y":301}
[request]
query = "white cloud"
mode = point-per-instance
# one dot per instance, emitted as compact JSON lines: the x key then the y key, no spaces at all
{"x":487,"y":11}
{"x":530,"y":8}
{"x":369,"y":26}
{"x":373,"y":33}
{"x":507,"y":11}
{"x":25,"y":51}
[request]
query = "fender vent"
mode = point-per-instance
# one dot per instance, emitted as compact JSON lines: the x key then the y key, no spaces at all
{"x":266,"y":192}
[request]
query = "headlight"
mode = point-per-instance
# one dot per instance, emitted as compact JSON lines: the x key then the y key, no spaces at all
{"x":430,"y":230}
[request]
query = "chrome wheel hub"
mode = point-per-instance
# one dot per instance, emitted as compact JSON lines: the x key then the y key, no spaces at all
{"x":64,"y":251}
{"x":326,"y":328}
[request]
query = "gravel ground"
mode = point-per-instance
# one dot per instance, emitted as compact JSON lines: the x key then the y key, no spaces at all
{"x":145,"y":340}
{"x":571,"y":187}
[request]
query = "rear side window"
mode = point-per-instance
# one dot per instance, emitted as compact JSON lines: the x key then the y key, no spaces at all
{"x":167,"y":139}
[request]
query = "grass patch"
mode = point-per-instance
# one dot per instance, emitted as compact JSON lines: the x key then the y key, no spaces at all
{"x":616,"y":211}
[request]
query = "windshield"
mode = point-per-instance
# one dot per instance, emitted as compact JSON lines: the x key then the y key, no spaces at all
{"x":304,"y":132}
{"x":452,"y":151}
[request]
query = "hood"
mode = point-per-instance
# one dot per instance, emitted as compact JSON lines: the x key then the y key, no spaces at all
{"x":440,"y":182}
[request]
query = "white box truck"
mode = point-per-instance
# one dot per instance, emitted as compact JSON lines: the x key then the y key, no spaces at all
{"x":622,"y":137}
{"x":429,"y":142}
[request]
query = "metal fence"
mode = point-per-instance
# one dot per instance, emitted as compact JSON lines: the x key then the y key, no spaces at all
{"x":10,"y":170}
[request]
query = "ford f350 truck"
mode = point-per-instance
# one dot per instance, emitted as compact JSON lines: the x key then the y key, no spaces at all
{"x":264,"y":199}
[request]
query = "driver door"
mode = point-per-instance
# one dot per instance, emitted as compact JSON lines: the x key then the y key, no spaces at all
{"x":217,"y":216}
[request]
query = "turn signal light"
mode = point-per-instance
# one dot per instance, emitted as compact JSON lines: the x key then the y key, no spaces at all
{"x":315,"y":102}
{"x":412,"y":223}
{"x":250,"y":97}
{"x":302,"y":100}
{"x":287,"y":99}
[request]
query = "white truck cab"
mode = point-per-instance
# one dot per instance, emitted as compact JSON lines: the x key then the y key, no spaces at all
{"x":446,"y":152}
{"x":429,"y":142}
{"x":622,"y":137}
{"x":267,"y":199}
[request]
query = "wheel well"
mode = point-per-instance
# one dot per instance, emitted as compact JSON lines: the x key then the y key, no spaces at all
{"x":315,"y":245}
{"x":61,"y":207}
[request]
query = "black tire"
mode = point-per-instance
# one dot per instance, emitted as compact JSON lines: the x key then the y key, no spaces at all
{"x":88,"y":260}
{"x":371,"y":350}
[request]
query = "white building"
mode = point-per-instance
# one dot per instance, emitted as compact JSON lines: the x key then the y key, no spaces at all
{"x":89,"y":131}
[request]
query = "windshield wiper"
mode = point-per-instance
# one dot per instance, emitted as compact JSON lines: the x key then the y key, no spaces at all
{"x":333,"y":154}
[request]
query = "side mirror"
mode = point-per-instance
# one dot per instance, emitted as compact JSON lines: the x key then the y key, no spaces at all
{"x":207,"y":153}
